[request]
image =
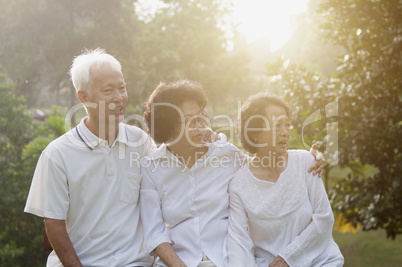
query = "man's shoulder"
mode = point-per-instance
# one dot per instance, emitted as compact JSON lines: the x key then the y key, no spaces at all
{"x":134,"y":133}
{"x":133,"y":128}
{"x":63,"y":140}
{"x":138,"y":139}
{"x":60,"y":144}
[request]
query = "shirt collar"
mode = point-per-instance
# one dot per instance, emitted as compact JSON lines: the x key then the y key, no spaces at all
{"x":163,"y":152}
{"x":92,"y":141}
{"x":160,"y":152}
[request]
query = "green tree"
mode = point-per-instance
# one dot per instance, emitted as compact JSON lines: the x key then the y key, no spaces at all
{"x":39,"y":39}
{"x":366,"y":89}
{"x":19,"y":234}
{"x":186,"y":39}
{"x":370,"y":104}
{"x":21,"y":143}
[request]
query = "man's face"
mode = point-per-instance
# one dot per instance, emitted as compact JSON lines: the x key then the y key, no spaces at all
{"x":107,"y":90}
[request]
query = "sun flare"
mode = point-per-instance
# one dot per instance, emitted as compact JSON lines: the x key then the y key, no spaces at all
{"x":268,"y":18}
{"x":256,"y":19}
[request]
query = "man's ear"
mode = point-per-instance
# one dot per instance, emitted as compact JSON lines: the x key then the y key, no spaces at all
{"x":82,"y":96}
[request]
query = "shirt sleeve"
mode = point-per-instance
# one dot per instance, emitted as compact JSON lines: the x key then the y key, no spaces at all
{"x":48,"y":196}
{"x":240,"y":245}
{"x":155,"y":232}
{"x":315,"y":237}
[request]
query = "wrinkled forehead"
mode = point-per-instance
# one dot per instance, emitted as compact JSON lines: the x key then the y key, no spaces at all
{"x":106,"y":75}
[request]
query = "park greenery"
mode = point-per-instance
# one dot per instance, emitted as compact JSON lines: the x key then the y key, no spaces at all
{"x":345,"y":79}
{"x":363,"y":97}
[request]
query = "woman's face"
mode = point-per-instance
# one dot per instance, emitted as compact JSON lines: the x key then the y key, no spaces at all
{"x":191,"y":125}
{"x":276,"y":134}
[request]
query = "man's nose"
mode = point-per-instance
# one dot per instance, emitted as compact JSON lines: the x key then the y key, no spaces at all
{"x":117,"y":95}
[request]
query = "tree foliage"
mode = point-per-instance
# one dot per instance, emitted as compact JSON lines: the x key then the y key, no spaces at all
{"x":14,"y":122}
{"x":39,"y":39}
{"x":366,"y":90}
{"x":184,"y":39}
{"x":21,"y":142}
{"x":18,"y":232}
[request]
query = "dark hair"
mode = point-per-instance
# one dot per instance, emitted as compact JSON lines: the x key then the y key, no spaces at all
{"x":161,"y":119}
{"x":255,"y":106}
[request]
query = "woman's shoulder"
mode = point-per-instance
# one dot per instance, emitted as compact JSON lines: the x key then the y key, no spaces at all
{"x":240,"y":179}
{"x":223,"y":146}
{"x":227,"y":150}
{"x":301,"y":161}
{"x":301,"y":155}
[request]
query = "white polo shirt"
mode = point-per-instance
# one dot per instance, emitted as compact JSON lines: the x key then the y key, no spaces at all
{"x":189,"y":208}
{"x":95,"y":189}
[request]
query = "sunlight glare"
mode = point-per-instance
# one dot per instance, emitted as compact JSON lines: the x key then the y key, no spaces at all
{"x":267,"y":19}
{"x":256,"y":19}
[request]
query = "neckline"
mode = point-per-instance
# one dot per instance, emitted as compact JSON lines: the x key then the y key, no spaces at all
{"x":269,"y":182}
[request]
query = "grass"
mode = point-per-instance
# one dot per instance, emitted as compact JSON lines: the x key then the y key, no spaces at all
{"x":369,"y":249}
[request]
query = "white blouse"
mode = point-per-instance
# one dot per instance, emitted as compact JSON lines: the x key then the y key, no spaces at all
{"x":291,"y":218}
{"x":189,"y":208}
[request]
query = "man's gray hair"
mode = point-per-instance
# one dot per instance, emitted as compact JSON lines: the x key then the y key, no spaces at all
{"x":82,"y":64}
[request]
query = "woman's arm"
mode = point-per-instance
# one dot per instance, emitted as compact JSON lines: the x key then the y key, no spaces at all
{"x":155,"y":232}
{"x":168,"y":255}
{"x":240,"y":245}
{"x":314,"y":238}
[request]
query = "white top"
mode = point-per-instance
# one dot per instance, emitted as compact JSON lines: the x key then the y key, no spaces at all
{"x":189,"y":208}
{"x":291,"y":218}
{"x":95,"y":189}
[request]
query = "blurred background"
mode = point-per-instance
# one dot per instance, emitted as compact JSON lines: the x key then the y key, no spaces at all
{"x":337,"y":62}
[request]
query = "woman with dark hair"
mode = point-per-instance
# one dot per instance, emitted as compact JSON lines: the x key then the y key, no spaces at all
{"x":279,"y":213}
{"x":184,"y":200}
{"x":164,"y":110}
{"x":184,"y":191}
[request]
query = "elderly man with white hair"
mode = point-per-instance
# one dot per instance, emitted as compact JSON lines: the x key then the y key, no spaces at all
{"x":85,"y":185}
